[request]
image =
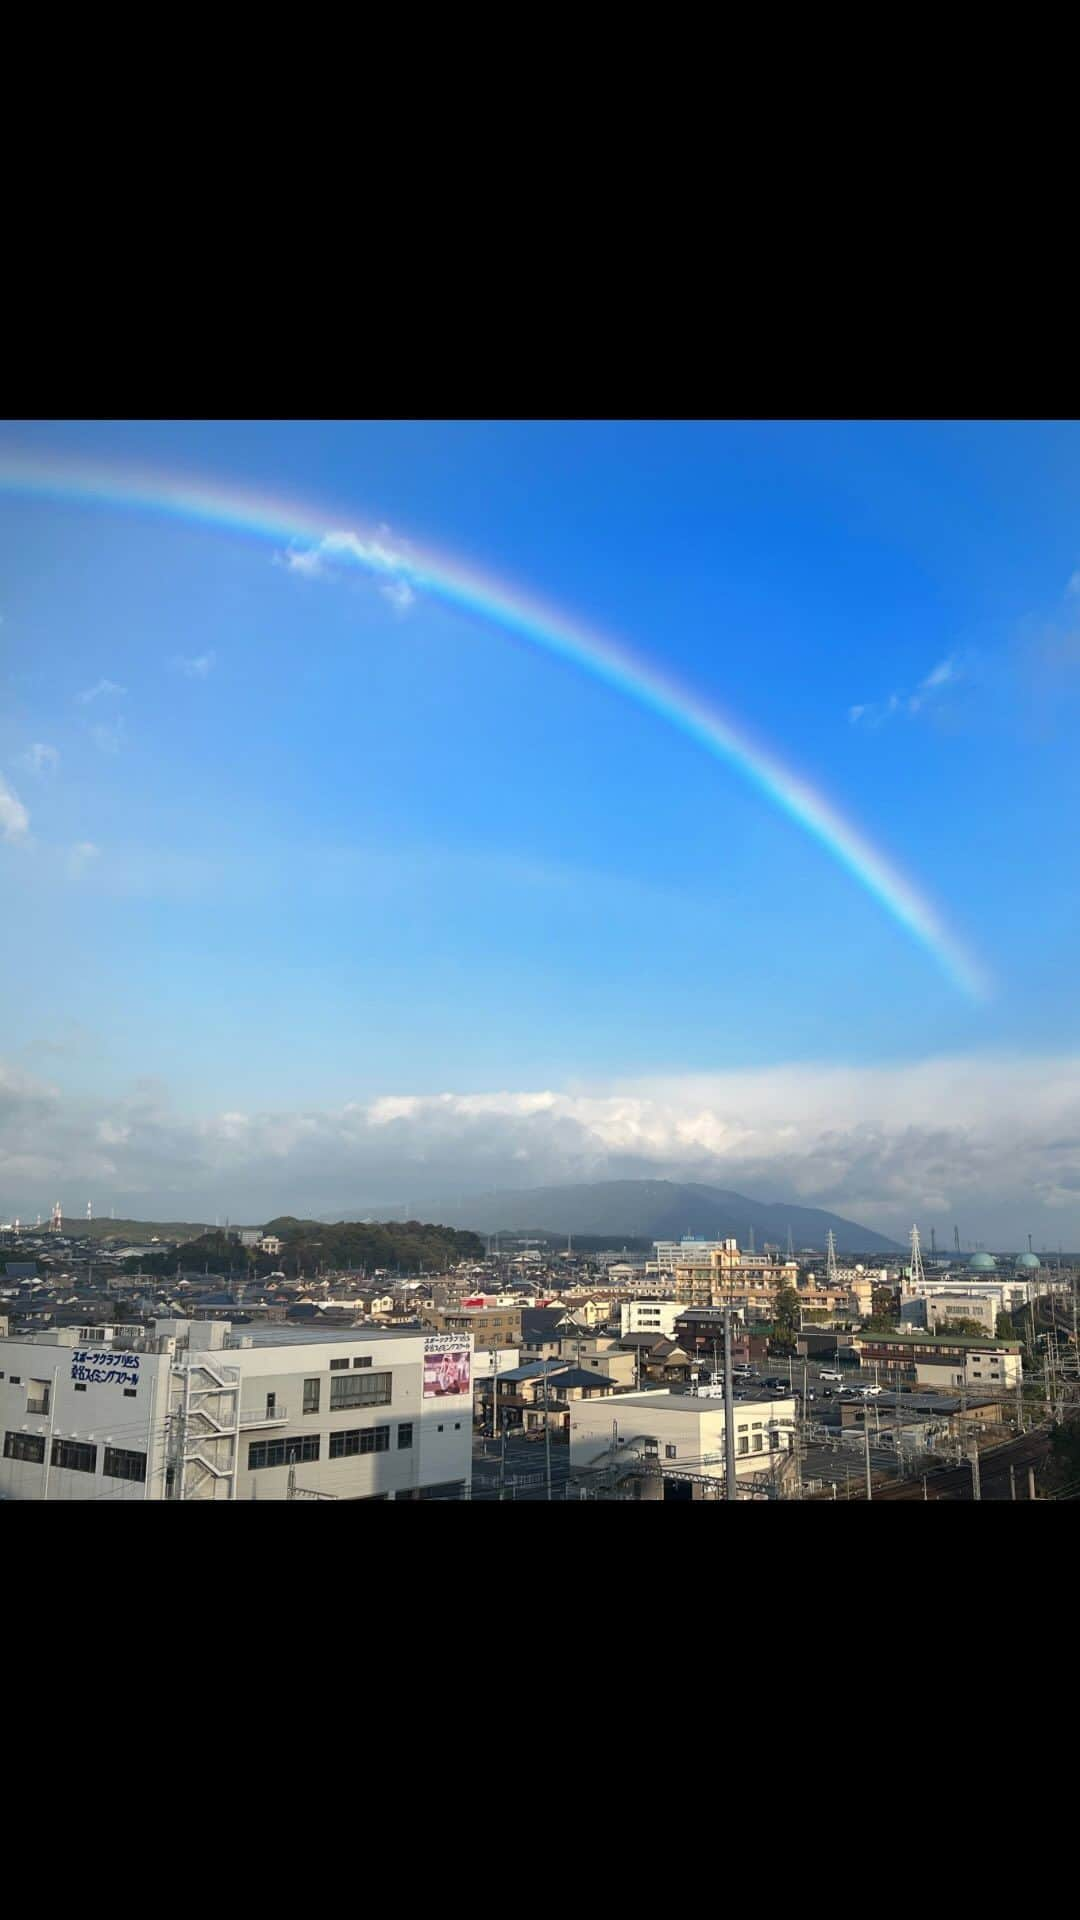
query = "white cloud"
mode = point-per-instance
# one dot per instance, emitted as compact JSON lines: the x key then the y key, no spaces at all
{"x":871,"y":714}
{"x":14,"y":819}
{"x":940,"y":675}
{"x":41,"y":759}
{"x":196,"y":667}
{"x":307,"y":562}
{"x":1074,"y":584}
{"x":377,"y":553}
{"x":109,"y":736}
{"x":992,"y":1145}
{"x":95,"y":692}
{"x":82,"y":853}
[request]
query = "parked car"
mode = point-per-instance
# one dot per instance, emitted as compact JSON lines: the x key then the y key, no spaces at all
{"x":833,"y":1375}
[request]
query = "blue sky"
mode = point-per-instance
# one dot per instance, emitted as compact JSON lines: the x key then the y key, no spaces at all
{"x":290,"y":849}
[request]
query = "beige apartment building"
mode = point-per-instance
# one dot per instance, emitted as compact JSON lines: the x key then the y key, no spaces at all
{"x":731,"y":1277}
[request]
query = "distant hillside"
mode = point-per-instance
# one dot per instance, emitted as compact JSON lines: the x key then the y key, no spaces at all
{"x":307,"y":1245}
{"x":77,"y":1227}
{"x":618,"y":1210}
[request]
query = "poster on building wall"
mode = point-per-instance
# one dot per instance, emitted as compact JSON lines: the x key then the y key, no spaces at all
{"x":447,"y":1365}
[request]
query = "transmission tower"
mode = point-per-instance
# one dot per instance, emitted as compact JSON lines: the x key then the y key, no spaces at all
{"x":751,"y":1248}
{"x":790,"y":1246}
{"x":956,"y":1238}
{"x":89,"y":1209}
{"x":830,"y":1261}
{"x":933,"y":1242}
{"x":916,"y":1259}
{"x":57,"y":1218}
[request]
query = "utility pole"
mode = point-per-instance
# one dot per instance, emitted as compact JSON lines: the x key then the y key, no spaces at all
{"x":731,"y":1492}
{"x":866,"y":1438}
{"x":973,"y":1462}
{"x":1012,"y":1483}
{"x":1031,"y":1483}
{"x":547,"y":1431}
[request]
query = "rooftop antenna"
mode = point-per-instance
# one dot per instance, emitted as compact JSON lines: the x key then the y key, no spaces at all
{"x":830,"y":1260}
{"x":916,"y":1259}
{"x":956,"y":1238}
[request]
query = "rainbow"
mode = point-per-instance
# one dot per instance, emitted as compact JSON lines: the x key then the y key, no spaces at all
{"x":310,"y":540}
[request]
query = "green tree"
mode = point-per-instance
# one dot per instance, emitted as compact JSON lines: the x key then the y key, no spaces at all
{"x":1003,"y":1327}
{"x":960,"y":1325}
{"x":787,"y":1315}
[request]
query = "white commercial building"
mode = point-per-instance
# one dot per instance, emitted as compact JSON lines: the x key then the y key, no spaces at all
{"x":649,"y":1316}
{"x":190,"y":1410}
{"x":677,"y":1436}
{"x":689,"y":1253}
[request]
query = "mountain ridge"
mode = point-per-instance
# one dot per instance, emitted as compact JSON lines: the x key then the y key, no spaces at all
{"x":651,"y":1210}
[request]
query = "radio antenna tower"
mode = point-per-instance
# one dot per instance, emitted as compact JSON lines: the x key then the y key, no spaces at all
{"x":830,"y":1260}
{"x":790,"y":1247}
{"x":89,"y":1209}
{"x":956,"y":1238}
{"x":751,"y":1248}
{"x":933,"y":1241}
{"x":916,"y":1259}
{"x":57,"y":1218}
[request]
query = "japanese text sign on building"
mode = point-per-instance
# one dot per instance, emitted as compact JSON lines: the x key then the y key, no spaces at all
{"x":104,"y":1368}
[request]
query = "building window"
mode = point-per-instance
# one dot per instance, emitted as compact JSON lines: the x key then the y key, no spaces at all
{"x":76,"y":1455}
{"x":744,"y":1444}
{"x":457,"y":1426}
{"x":757,"y":1443}
{"x":16,"y":1380}
{"x":404,"y":1435}
{"x":359,"y":1440}
{"x":37,"y":1396}
{"x":282,"y":1453}
{"x":669,"y":1453}
{"x":364,"y":1362}
{"x":25,"y":1446}
{"x":82,"y":1389}
{"x":122,"y":1464}
{"x":335,"y":1364}
{"x":311,"y":1396}
{"x":129,"y":1392}
{"x":360,"y":1390}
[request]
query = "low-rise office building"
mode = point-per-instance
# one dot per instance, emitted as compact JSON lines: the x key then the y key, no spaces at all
{"x":945,"y":1360}
{"x":488,"y":1326}
{"x":671,"y":1445}
{"x":200,"y":1411}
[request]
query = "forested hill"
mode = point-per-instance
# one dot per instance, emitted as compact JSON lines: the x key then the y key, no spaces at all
{"x":408,"y":1244}
{"x":403,"y":1245}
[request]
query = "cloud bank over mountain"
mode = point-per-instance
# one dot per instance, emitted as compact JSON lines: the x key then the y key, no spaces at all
{"x":993,"y":1145}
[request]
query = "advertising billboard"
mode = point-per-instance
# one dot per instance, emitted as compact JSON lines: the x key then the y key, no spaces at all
{"x":447,"y":1365}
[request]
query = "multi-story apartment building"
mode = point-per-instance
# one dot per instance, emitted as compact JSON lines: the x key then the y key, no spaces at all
{"x":748,"y":1280}
{"x":200,"y":1411}
{"x":649,"y":1316}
